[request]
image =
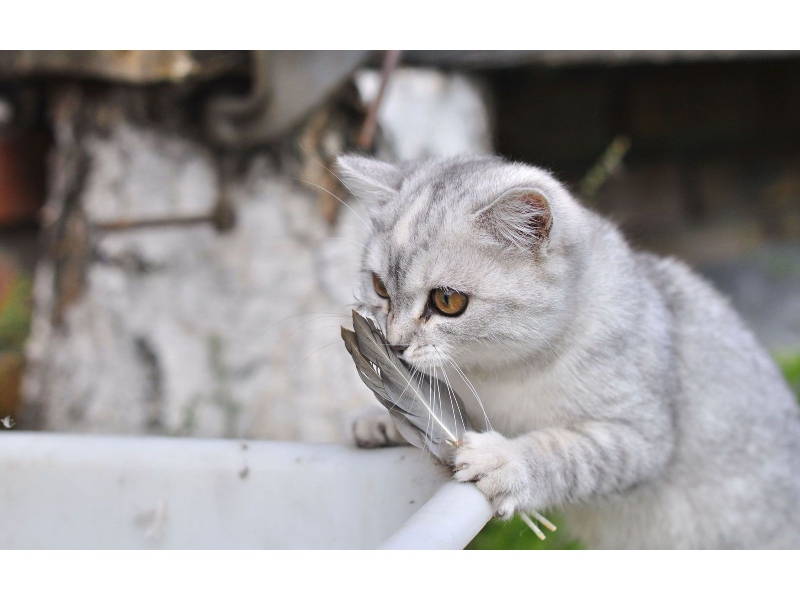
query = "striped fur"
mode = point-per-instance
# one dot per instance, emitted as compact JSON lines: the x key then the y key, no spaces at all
{"x":620,"y":387}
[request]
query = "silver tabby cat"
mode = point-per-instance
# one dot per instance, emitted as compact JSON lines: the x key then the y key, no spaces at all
{"x":621,"y":388}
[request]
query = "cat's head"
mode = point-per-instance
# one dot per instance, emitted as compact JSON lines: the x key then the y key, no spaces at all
{"x":472,"y":259}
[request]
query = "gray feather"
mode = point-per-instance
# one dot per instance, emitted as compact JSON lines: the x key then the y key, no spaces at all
{"x":427,"y":412}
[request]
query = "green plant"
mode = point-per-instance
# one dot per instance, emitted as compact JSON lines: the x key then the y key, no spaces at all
{"x":515,"y":535}
{"x":789,"y":363}
{"x":15,"y":313}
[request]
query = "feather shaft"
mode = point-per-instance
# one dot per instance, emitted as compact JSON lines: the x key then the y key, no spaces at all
{"x":532,"y":526}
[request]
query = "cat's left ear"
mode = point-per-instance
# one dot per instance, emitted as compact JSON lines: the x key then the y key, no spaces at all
{"x":372,"y":181}
{"x":520,"y":217}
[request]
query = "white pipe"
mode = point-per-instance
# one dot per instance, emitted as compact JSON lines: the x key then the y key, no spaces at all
{"x":448,"y":521}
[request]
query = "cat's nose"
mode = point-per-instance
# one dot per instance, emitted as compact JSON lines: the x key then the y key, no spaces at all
{"x":398,"y":348}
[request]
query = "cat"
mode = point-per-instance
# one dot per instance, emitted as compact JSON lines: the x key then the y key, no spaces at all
{"x":618,"y":387}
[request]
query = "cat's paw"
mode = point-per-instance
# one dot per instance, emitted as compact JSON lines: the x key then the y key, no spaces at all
{"x":375,"y":428}
{"x":497,"y":467}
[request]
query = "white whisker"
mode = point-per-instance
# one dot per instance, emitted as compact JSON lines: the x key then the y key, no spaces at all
{"x":472,"y":389}
{"x":332,"y":173}
{"x":453,"y":404}
{"x":546,"y":342}
{"x":350,"y":208}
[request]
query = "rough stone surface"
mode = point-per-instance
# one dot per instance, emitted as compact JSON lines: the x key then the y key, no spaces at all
{"x":454,"y":119}
{"x":185,"y":330}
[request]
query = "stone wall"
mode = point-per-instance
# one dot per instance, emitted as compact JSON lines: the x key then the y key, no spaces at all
{"x":154,"y":315}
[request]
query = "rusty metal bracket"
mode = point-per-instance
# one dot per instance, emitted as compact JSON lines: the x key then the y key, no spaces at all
{"x":222,"y":218}
{"x":287,"y":85}
{"x":367,"y":135}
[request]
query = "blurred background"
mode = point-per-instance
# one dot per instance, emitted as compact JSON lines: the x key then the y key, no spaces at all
{"x":176,"y":258}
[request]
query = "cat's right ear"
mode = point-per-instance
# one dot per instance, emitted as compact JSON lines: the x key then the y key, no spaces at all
{"x":371,"y":181}
{"x":520,"y":218}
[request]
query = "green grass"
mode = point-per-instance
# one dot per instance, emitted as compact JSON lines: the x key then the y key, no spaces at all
{"x":789,"y":363}
{"x":515,"y":535}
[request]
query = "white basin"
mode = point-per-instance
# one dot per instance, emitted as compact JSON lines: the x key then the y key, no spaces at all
{"x":81,"y":491}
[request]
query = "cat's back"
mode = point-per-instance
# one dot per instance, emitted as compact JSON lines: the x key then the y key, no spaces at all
{"x":713,"y":347}
{"x":736,"y":419}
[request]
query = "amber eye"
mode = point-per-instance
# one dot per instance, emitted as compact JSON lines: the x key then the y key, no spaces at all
{"x":380,"y":289}
{"x":448,"y":302}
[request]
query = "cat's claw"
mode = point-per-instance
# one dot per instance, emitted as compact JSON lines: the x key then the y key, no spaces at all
{"x":496,"y":466}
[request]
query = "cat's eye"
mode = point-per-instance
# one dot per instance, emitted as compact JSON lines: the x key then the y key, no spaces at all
{"x":449,"y":302}
{"x":380,"y":288}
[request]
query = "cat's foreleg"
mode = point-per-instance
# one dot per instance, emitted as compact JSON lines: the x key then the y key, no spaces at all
{"x":374,"y":427}
{"x":553,"y":467}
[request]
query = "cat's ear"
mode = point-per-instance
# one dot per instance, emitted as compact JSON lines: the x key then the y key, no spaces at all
{"x":372,"y":181}
{"x":520,"y":217}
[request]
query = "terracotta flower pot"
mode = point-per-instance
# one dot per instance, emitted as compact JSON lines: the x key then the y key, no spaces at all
{"x":14,"y":323}
{"x":22,"y":178}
